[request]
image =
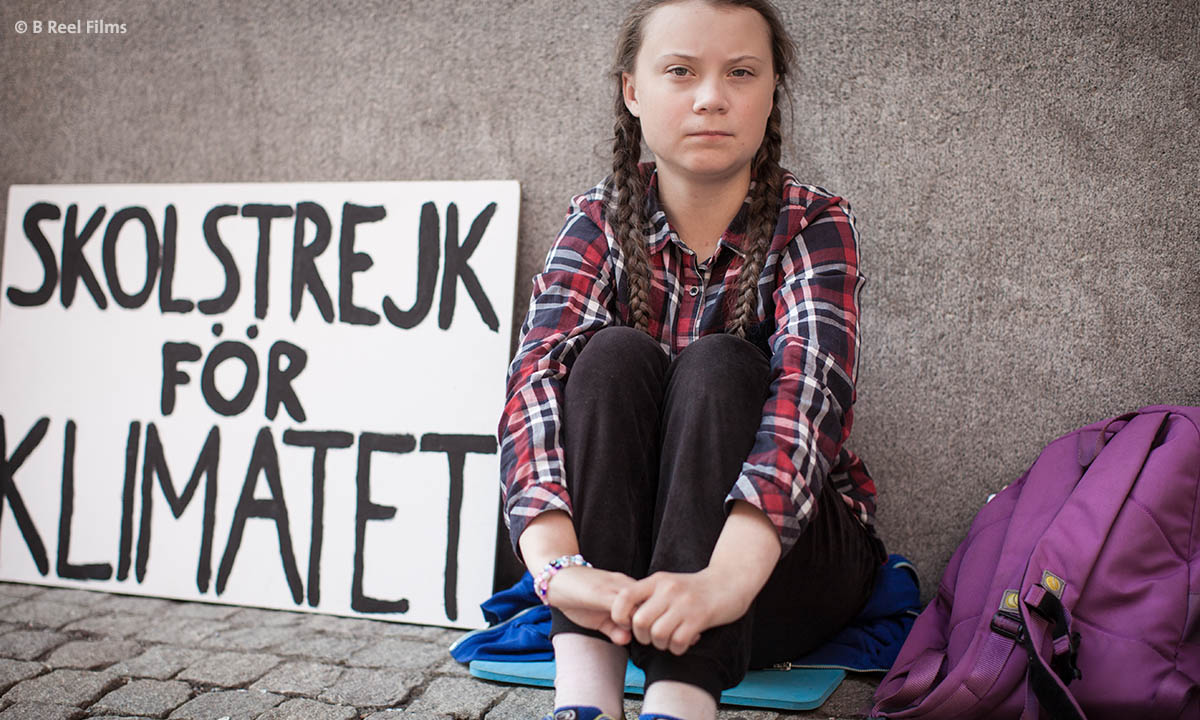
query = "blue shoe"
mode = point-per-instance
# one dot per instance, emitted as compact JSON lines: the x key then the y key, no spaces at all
{"x":578,"y":712}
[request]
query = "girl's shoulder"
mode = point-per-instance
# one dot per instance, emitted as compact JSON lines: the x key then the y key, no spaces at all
{"x":808,"y":199}
{"x":594,"y":202}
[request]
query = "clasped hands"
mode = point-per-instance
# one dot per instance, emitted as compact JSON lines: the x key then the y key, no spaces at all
{"x":667,"y":610}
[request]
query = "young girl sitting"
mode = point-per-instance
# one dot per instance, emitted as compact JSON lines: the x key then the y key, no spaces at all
{"x":678,"y":406}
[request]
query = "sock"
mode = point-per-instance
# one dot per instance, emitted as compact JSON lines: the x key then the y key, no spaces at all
{"x":590,"y":674}
{"x":656,"y":716}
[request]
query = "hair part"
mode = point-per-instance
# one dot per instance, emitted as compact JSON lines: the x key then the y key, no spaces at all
{"x":628,"y":201}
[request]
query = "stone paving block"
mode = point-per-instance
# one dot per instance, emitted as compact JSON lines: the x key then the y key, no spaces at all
{"x":428,"y":633}
{"x":227,"y":704}
{"x":202,"y":611}
{"x":44,"y":613}
{"x":159,"y":662}
{"x":39,"y":711}
{"x":29,"y":644}
{"x":258,"y":617}
{"x":373,"y":688}
{"x":523,"y":703}
{"x":75,"y":596}
{"x":305,"y":709}
{"x":63,"y":687}
{"x":108,"y":625}
{"x":229,"y":669}
{"x":388,"y":714}
{"x":337,"y":625}
{"x":459,"y":697}
{"x":452,"y":667}
{"x":852,"y":699}
{"x":20,"y":590}
{"x":398,"y":654}
{"x":186,"y":632}
{"x":150,"y":698}
{"x":330,"y":648}
{"x":248,"y":638}
{"x":138,"y":605}
{"x":14,"y":671}
{"x":726,"y":712}
{"x":92,"y":654}
{"x":299,"y":678}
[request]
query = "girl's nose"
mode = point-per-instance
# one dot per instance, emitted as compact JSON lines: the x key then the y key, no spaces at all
{"x":710,"y":97}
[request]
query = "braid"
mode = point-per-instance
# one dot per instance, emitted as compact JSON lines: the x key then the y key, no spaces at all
{"x":760,"y":223}
{"x":627,"y":215}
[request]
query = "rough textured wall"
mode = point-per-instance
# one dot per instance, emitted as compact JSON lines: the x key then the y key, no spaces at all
{"x":1024,"y":175}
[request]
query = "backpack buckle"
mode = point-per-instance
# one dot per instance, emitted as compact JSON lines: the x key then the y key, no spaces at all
{"x":1009,"y":625}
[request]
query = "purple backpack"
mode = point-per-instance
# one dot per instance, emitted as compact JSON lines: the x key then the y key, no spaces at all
{"x":1076,"y":593}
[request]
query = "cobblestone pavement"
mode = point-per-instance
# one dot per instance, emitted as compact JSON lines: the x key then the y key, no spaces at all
{"x":69,"y":654}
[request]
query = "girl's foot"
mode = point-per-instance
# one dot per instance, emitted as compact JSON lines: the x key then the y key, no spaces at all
{"x":578,"y":712}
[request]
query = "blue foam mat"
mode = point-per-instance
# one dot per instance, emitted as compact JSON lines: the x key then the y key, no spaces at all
{"x":795,"y":689}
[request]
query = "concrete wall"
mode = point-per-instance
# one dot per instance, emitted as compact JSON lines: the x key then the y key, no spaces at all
{"x":1024,"y":174}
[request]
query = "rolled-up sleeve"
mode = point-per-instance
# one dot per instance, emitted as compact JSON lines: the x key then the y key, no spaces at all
{"x":571,"y":300}
{"x":807,"y":414}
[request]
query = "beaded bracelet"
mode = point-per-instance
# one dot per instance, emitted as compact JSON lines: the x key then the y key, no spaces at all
{"x":542,"y":586}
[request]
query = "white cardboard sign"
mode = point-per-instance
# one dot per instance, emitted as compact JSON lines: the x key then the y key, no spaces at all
{"x":274,"y":395}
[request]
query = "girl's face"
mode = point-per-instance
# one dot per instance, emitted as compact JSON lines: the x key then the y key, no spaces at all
{"x":702,"y":87}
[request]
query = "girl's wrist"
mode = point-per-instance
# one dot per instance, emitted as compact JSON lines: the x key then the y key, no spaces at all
{"x":541,"y":582}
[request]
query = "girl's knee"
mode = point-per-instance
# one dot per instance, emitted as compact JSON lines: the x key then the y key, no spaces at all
{"x":721,"y":358}
{"x":616,"y":354}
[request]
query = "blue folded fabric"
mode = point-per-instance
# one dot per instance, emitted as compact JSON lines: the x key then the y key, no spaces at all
{"x":520,"y":626}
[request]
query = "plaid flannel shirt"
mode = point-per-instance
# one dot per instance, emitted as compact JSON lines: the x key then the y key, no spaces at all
{"x":811,"y":280}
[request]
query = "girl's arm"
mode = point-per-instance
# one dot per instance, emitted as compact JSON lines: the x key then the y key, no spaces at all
{"x":585,"y":595}
{"x":571,"y":300}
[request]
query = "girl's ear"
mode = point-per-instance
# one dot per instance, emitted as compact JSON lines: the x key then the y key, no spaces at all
{"x":630,"y":93}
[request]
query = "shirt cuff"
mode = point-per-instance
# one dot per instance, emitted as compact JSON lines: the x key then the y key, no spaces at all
{"x":528,"y":504}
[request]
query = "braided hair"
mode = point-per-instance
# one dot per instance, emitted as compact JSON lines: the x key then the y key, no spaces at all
{"x":627,"y":211}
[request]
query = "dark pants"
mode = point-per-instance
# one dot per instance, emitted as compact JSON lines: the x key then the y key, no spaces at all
{"x":652,"y":449}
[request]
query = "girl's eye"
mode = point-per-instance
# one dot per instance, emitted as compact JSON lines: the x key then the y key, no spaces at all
{"x":677,"y":71}
{"x":741,"y":72}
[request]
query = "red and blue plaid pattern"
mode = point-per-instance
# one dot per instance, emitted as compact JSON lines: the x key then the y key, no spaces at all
{"x":810,"y":278}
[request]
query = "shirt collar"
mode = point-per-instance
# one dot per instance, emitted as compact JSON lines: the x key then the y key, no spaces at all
{"x":734,"y":236}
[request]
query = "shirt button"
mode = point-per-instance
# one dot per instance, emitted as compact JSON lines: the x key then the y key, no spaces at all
{"x":693,"y":291}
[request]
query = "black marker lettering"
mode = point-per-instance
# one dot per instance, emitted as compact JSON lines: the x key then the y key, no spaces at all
{"x":91,"y":571}
{"x":8,"y":489}
{"x":457,"y":267}
{"x":74,"y":265}
{"x":166,"y":303}
{"x":265,"y":214}
{"x":155,"y":463}
{"x":109,"y":253}
{"x":172,"y":354}
{"x":428,"y":253}
{"x":208,"y":378}
{"x":35,"y":214}
{"x":132,"y":442}
{"x":279,"y":380}
{"x":456,"y":448}
{"x":366,"y":511}
{"x":354,"y":262}
{"x":320,"y":442}
{"x":263,"y":460}
{"x":233,"y":282}
{"x":304,"y":266}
